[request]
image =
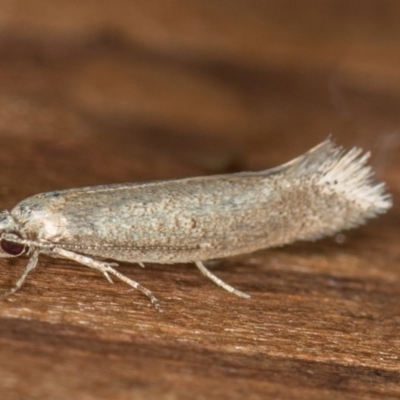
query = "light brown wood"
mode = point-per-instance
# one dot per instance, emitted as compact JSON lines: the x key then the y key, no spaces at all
{"x":141,"y":91}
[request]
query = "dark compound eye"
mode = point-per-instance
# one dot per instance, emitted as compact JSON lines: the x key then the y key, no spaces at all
{"x":12,"y":248}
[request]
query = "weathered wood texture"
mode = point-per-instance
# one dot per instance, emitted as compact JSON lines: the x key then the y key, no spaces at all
{"x":135,"y":90}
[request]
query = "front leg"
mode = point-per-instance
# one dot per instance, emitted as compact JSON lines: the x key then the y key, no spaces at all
{"x":32,"y":263}
{"x":104,"y":267}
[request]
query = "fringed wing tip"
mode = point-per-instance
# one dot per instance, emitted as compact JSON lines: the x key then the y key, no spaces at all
{"x":347,"y":171}
{"x":350,"y":173}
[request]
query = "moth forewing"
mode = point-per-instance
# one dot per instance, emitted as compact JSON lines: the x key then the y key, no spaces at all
{"x":320,"y":193}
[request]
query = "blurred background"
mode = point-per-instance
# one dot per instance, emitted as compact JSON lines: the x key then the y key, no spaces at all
{"x":95,"y":92}
{"x":99,"y":91}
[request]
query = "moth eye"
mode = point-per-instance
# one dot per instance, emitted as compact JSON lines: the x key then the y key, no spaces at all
{"x":12,"y":248}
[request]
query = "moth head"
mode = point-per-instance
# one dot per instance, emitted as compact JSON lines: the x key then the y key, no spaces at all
{"x":11,"y":241}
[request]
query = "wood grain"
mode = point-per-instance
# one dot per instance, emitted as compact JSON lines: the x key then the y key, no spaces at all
{"x":140,"y":91}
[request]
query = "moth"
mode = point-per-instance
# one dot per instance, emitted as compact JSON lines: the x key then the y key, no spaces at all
{"x":318,"y":194}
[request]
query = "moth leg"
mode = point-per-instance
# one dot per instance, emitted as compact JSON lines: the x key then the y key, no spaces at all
{"x":29,"y":267}
{"x":219,"y":282}
{"x":105,"y":268}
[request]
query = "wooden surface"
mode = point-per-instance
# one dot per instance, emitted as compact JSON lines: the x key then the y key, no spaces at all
{"x":93,"y":93}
